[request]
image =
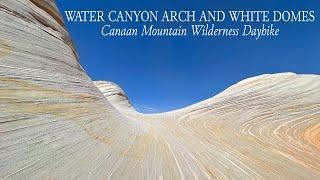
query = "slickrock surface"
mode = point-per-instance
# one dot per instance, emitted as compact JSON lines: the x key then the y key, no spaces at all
{"x":56,"y":124}
{"x":115,"y":95}
{"x":263,"y":127}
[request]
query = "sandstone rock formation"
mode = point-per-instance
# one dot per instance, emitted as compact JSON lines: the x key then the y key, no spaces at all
{"x":56,"y":124}
{"x":115,"y":95}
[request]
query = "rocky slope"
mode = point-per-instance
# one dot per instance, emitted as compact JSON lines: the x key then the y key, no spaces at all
{"x":115,"y":95}
{"x":263,"y":127}
{"x":56,"y":124}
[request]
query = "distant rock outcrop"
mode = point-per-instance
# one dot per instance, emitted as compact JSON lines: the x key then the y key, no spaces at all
{"x":115,"y":95}
{"x":56,"y":124}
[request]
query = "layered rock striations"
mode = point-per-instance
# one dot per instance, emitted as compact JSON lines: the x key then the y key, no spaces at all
{"x":262,"y":127}
{"x":115,"y":95}
{"x":55,"y":123}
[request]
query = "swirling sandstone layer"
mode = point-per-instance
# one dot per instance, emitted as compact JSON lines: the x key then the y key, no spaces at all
{"x":262,"y":127}
{"x":56,"y":124}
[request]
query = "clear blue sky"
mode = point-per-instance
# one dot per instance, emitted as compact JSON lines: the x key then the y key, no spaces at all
{"x":170,"y":73}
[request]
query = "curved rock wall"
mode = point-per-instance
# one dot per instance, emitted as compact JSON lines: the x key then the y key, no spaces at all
{"x":53,"y":120}
{"x":262,"y":127}
{"x":56,"y":124}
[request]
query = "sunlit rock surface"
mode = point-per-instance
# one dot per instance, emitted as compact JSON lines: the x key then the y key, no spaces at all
{"x":56,"y":124}
{"x":115,"y":95}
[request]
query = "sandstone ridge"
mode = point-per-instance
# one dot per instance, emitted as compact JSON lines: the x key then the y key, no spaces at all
{"x":55,"y":123}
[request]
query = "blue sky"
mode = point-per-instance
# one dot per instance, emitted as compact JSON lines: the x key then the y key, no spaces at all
{"x":170,"y":73}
